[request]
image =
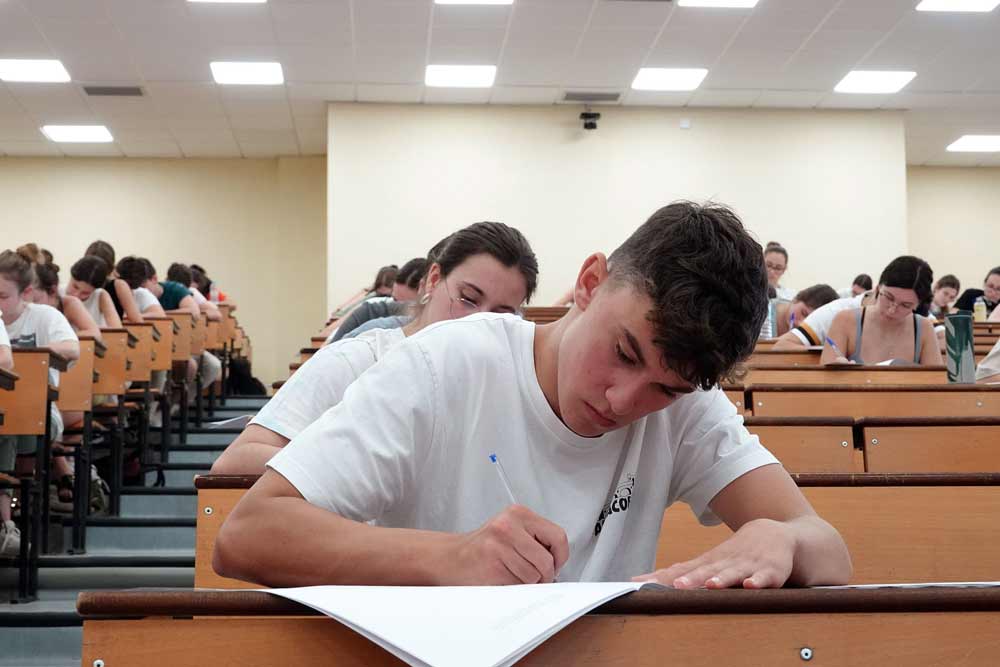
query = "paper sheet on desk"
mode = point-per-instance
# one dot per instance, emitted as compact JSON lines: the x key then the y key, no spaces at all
{"x":235,"y":422}
{"x":458,"y":626}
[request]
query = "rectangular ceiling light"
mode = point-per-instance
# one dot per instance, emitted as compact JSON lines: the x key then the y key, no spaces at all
{"x":245,"y":2}
{"x":251,"y":74}
{"x":722,"y":4}
{"x":40,"y":71}
{"x":473,"y":2}
{"x":78,"y":134}
{"x":872,"y":81}
{"x":957,"y":5}
{"x":665,"y":78}
{"x":976,"y":143}
{"x":460,"y":76}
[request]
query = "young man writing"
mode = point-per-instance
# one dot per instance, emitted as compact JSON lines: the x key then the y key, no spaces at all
{"x":601,"y":419}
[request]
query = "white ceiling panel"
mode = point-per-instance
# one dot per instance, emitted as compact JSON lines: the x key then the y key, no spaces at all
{"x":163,"y":149}
{"x":524,"y":95}
{"x":470,"y":16}
{"x":465,"y":46}
{"x":609,"y":57}
{"x":456,"y":95}
{"x":723,"y":98}
{"x":791,"y":99}
{"x":311,"y":22}
{"x":37,"y":147}
{"x":946,"y":159}
{"x":792,"y":51}
{"x":91,"y":150}
{"x":396,"y":94}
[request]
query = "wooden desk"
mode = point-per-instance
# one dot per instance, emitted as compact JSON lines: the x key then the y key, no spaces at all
{"x":803,"y":357}
{"x":7,"y":379}
{"x":26,"y":405}
{"x":899,"y":528}
{"x":140,"y":356}
{"x":810,"y":444}
{"x":950,"y":444}
{"x":163,"y":342}
{"x":184,"y":337}
{"x":544,"y":314}
{"x":848,"y":375}
{"x":76,"y":386}
{"x":861,"y":628}
{"x":111,"y":368}
{"x":875,"y":401}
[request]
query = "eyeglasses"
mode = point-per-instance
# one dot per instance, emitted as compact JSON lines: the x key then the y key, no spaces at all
{"x":892,"y":304}
{"x":466,"y":306}
{"x":777,"y":268}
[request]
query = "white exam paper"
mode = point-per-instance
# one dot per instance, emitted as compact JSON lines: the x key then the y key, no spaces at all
{"x":458,"y":626}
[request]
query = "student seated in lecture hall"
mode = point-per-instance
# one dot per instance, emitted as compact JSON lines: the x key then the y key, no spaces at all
{"x":889,"y":329}
{"x":990,"y":294}
{"x":88,"y":275}
{"x":946,"y":290}
{"x":776,"y":261}
{"x":210,"y":366}
{"x":601,"y":420}
{"x":862,"y":283}
{"x":30,"y":324}
{"x":804,"y":303}
{"x":381,"y":290}
{"x":119,"y":291}
{"x":46,"y":291}
{"x":134,"y":271}
{"x":375,"y":314}
{"x":485,"y":267}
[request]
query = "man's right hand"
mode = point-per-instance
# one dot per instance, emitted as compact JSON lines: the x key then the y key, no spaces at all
{"x":514,"y":547}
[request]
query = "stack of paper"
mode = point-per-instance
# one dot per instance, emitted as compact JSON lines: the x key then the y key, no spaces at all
{"x":458,"y":626}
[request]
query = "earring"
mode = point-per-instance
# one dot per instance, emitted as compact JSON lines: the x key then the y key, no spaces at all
{"x":425,"y":299}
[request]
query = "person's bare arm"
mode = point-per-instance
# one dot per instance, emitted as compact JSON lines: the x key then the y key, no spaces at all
{"x":249,"y":452}
{"x":107,"y":307}
{"x":6,"y":358}
{"x":127,"y":300}
{"x":930,"y":353}
{"x":777,"y":539}
{"x":840,"y":334}
{"x":188,"y":304}
{"x":211,"y":311}
{"x":788,"y":342}
{"x":69,"y":349}
{"x":154,"y":310}
{"x":81,"y":321}
{"x":320,"y":547}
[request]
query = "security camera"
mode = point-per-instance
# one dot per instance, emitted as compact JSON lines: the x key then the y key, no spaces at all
{"x":590,"y":119}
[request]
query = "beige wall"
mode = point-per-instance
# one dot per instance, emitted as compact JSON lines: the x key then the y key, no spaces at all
{"x":831,"y":186}
{"x":258,"y":226}
{"x":954,"y":220}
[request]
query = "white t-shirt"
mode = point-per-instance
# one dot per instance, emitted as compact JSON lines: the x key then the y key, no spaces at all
{"x":785,"y":293}
{"x":813,"y":329}
{"x":991,"y":364}
{"x":144,"y":298}
{"x":39,"y":326}
{"x":319,"y":384}
{"x":409,"y":445}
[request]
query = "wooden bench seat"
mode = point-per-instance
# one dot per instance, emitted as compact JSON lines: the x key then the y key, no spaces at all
{"x":826,"y":375}
{"x":810,"y":444}
{"x":952,"y":444}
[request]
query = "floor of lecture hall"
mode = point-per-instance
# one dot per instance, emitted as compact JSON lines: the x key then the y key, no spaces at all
{"x":157,"y":555}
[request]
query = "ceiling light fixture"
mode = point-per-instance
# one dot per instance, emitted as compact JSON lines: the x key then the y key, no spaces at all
{"x":473,"y":2}
{"x":78,"y":134}
{"x":244,"y":2}
{"x":247,"y":73}
{"x":460,"y":76}
{"x":668,"y":79}
{"x":976,"y":143}
{"x":957,"y":5}
{"x":35,"y":71}
{"x":873,"y":81}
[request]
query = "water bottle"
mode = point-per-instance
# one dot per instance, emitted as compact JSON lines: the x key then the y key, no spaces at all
{"x":213,"y":293}
{"x":979,"y":310}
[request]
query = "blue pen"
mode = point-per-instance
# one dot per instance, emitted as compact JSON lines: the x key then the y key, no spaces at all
{"x":835,"y":348}
{"x":792,"y":323}
{"x":503,"y":478}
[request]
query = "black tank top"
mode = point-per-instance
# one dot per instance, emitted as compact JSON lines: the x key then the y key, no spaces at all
{"x":109,"y":287}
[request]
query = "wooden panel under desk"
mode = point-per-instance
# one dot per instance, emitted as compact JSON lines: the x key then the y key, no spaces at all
{"x":875,"y":401}
{"x":163,"y":348}
{"x":141,"y":355}
{"x":24,"y":407}
{"x":544,"y":314}
{"x":643,"y":629}
{"x":847,"y":375}
{"x":199,"y":335}
{"x":954,"y":445}
{"x":802,"y":357}
{"x":811,"y":447}
{"x":183,"y":336}
{"x":895,"y":534}
{"x":76,"y":386}
{"x":111,"y":368}
{"x":214,"y":505}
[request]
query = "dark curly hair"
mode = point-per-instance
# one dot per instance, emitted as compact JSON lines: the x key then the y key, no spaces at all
{"x":706,"y":278}
{"x":91,"y":269}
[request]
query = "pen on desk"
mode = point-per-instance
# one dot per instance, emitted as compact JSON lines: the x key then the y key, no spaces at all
{"x":503,"y":478}
{"x":835,"y":348}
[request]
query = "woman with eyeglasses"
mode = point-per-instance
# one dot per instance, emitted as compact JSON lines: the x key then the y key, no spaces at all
{"x":776,"y":263}
{"x":889,"y":329}
{"x":487,"y":267}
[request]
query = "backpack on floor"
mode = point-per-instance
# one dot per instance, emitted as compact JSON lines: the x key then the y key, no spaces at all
{"x":241,"y":381}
